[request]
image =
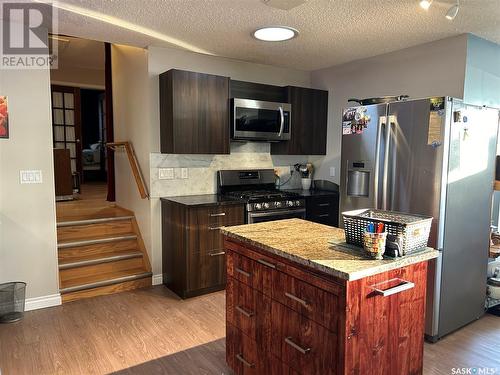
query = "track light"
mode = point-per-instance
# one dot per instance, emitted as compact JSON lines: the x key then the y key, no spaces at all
{"x":452,"y":12}
{"x":425,"y":4}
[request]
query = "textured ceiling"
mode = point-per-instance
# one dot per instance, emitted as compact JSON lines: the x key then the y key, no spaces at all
{"x":331,"y":31}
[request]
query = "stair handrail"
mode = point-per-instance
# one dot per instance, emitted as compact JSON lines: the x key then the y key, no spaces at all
{"x":134,"y":165}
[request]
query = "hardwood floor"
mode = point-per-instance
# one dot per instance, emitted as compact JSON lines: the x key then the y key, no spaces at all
{"x":151,"y":331}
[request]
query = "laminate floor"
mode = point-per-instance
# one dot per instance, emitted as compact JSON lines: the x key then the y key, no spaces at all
{"x":151,"y":331}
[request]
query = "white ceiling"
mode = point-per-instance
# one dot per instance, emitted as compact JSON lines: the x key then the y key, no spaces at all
{"x":331,"y":31}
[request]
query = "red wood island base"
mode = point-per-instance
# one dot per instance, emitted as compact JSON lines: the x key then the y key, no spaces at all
{"x":284,"y":317}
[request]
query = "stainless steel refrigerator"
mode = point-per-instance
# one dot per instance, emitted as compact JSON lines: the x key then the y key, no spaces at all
{"x":435,"y":157}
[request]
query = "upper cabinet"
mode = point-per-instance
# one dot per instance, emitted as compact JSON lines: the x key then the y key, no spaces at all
{"x":194,"y":113}
{"x":309,"y":123}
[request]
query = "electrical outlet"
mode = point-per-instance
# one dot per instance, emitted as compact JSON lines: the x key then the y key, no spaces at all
{"x":166,"y":173}
{"x":184,"y":173}
{"x":30,"y":177}
{"x":332,"y":171}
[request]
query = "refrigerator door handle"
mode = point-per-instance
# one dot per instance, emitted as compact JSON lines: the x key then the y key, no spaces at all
{"x":385,"y":178}
{"x":382,"y":121}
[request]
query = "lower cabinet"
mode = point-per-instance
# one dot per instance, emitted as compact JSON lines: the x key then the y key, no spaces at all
{"x":323,"y":209}
{"x":194,"y":259}
{"x":283,"y":319}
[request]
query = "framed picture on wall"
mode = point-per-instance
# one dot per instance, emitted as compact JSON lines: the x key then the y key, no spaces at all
{"x":4,"y":118}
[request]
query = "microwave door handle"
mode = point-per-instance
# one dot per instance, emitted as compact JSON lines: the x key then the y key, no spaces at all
{"x":282,"y":124}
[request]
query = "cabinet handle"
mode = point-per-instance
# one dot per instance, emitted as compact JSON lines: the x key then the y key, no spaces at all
{"x":324,"y":215}
{"x":262,"y":261}
{"x":218,"y":214}
{"x":289,"y":341}
{"x":297,"y":299}
{"x":323,"y":204}
{"x":214,"y":228}
{"x":244,"y":273}
{"x":240,"y":358}
{"x":248,"y":314}
{"x":217,"y":254}
{"x":404,"y":285}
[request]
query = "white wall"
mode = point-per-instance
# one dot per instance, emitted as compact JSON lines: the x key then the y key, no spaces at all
{"x":431,"y":69}
{"x":78,"y":77}
{"x":28,"y":248}
{"x":482,"y":77}
{"x":131,"y":110}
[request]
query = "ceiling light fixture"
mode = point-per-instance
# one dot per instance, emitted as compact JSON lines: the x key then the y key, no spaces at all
{"x":124,"y":24}
{"x":425,"y":4}
{"x":453,"y":11}
{"x":275,"y":33}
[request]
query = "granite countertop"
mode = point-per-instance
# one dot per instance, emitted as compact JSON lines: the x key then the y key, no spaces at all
{"x":202,"y":200}
{"x":320,"y":247}
{"x":312,"y":193}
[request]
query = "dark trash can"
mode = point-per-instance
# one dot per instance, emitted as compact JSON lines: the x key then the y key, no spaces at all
{"x":12,"y":297}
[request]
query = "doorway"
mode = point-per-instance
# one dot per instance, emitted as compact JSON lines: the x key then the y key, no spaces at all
{"x":80,"y":86}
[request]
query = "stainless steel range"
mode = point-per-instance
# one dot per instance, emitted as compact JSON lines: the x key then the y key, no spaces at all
{"x":257,"y":189}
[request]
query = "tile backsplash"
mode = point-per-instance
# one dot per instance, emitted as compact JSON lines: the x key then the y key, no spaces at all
{"x":202,"y":169}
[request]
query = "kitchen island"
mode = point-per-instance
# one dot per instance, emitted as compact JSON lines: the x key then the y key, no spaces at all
{"x":301,"y":301}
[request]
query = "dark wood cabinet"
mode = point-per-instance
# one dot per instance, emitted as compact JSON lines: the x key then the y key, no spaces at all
{"x":192,"y":246}
{"x":309,"y":123}
{"x":323,"y":209}
{"x":313,"y":323}
{"x":194,"y":113}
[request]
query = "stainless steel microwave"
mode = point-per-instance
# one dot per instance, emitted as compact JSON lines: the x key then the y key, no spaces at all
{"x":257,"y":120}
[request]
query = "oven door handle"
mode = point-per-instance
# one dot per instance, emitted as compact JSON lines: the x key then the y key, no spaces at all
{"x":277,"y":213}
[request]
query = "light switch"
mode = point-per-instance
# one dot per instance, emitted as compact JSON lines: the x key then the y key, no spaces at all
{"x":332,"y":171}
{"x":184,"y":173}
{"x":166,"y":173}
{"x":31,"y":177}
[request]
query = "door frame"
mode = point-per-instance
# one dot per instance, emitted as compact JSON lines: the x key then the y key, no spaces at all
{"x":108,"y":83}
{"x":77,"y":120}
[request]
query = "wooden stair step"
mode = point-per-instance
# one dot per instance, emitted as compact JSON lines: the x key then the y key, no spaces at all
{"x":89,"y":231}
{"x":93,"y":251}
{"x":92,"y":271}
{"x":98,"y":259}
{"x":103,"y":279}
{"x":97,"y":240}
{"x":121,"y":286}
{"x":89,"y":221}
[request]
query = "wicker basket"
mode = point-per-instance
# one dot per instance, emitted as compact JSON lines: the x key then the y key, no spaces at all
{"x":413,"y":229}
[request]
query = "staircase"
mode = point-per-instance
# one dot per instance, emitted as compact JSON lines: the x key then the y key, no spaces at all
{"x":101,"y":253}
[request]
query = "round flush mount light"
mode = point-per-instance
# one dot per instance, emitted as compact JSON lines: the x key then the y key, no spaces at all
{"x":425,"y":4}
{"x":275,"y":33}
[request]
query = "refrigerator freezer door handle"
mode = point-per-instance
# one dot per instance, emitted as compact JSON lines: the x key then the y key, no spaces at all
{"x":385,"y":177}
{"x":382,"y":121}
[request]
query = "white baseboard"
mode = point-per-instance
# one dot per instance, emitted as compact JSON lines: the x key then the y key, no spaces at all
{"x":158,"y":279}
{"x":43,"y":302}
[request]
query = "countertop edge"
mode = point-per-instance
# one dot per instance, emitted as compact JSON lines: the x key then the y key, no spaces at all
{"x":352,"y":276}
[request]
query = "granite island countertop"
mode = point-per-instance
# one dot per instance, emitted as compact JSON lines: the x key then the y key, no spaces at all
{"x":320,"y":247}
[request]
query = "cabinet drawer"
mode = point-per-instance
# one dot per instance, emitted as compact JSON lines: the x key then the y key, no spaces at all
{"x":243,"y":355}
{"x":204,"y":225}
{"x":306,"y":299}
{"x":249,"y":272}
{"x":206,"y":270}
{"x":249,"y":311}
{"x":302,"y":344}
